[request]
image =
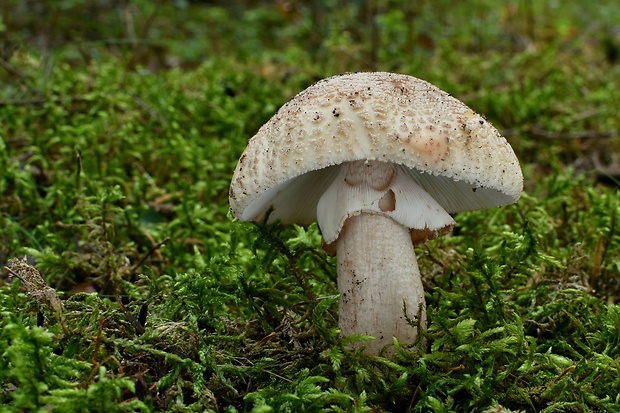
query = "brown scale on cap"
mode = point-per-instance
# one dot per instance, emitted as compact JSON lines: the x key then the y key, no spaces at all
{"x":431,"y":148}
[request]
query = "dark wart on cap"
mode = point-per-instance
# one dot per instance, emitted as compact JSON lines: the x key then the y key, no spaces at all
{"x":380,"y":161}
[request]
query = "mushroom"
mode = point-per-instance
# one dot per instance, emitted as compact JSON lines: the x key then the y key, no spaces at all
{"x":380,"y":161}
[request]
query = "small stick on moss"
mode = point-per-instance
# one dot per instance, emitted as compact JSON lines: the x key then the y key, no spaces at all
{"x":434,"y":259}
{"x":414,"y":397}
{"x":12,"y":70}
{"x":98,"y":341}
{"x":37,"y":288}
{"x":130,"y":317}
{"x":149,"y":253}
{"x":567,"y":370}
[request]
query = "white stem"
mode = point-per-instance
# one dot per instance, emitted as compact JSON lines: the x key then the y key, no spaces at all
{"x":378,"y":276}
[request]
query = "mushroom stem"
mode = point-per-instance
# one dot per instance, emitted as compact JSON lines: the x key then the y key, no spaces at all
{"x":377,"y":283}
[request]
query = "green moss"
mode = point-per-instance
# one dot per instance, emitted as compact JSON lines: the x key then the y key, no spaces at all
{"x":119,"y":132}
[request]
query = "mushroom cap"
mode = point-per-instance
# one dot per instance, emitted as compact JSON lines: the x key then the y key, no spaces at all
{"x":454,"y":154}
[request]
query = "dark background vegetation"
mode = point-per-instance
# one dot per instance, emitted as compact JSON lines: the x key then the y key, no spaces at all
{"x":121,"y":123}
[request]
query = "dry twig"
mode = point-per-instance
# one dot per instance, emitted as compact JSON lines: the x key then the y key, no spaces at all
{"x":37,"y":288}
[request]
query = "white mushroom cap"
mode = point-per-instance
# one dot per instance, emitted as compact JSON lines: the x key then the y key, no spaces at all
{"x":458,"y":159}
